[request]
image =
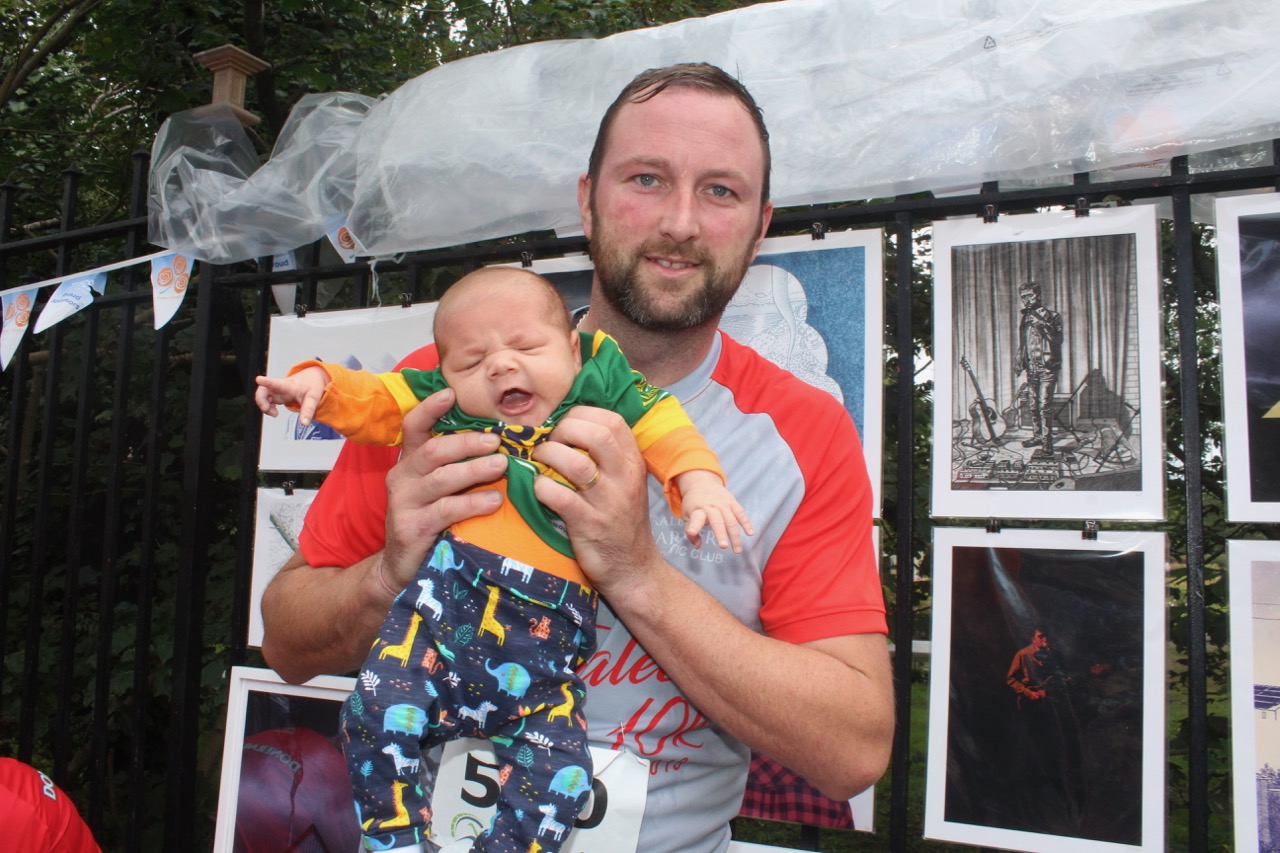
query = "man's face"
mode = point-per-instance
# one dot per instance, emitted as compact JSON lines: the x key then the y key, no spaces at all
{"x":1030,"y":298}
{"x":675,"y":214}
{"x":1039,"y":641}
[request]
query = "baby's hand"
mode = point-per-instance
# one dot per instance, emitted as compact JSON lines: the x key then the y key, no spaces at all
{"x":303,"y":390}
{"x":704,"y":500}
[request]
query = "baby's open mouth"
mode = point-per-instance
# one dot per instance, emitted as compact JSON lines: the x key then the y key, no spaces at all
{"x":515,"y":399}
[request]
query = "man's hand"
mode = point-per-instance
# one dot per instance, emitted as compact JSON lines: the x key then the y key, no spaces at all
{"x":323,"y":619}
{"x":608,"y":515}
{"x":424,"y":489}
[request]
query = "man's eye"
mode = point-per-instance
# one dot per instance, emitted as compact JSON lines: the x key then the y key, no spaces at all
{"x":646,"y":180}
{"x":720,"y":191}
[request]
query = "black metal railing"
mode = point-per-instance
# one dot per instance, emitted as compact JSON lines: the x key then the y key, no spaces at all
{"x":129,"y":482}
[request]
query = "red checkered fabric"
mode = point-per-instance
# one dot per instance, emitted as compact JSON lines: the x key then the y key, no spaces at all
{"x":776,"y":793}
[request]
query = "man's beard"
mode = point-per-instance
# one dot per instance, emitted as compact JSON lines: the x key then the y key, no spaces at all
{"x":621,"y":284}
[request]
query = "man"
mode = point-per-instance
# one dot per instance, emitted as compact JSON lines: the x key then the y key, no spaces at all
{"x":1047,"y":751}
{"x":1028,"y":674}
{"x":1039,"y":356}
{"x":702,"y":654}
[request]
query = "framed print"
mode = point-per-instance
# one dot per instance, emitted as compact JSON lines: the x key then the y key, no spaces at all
{"x":813,"y":307}
{"x":1255,"y":692}
{"x":275,"y":538}
{"x":1046,"y":691}
{"x":1047,"y":367}
{"x":1249,"y":292}
{"x":366,"y":338}
{"x":284,"y":781}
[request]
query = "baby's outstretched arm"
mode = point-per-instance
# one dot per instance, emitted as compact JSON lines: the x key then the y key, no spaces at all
{"x":303,"y":389}
{"x":705,"y":500}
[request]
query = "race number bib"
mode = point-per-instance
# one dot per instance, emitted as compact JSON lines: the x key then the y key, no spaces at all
{"x":467,"y":791}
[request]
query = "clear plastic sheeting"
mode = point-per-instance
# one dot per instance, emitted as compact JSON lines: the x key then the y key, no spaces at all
{"x":863,"y":98}
{"x":211,"y":199}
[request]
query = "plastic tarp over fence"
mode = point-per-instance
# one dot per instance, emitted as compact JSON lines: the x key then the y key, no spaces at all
{"x":863,"y":98}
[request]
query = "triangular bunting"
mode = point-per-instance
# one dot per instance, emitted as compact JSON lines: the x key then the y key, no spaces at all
{"x":16,"y":306}
{"x":170,"y":275}
{"x":70,"y":297}
{"x":345,"y":242}
{"x":286,"y":295}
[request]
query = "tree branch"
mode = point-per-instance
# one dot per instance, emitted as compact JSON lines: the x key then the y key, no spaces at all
{"x":48,"y":40}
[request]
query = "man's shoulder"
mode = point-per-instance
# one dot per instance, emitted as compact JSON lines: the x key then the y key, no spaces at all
{"x":760,"y":385}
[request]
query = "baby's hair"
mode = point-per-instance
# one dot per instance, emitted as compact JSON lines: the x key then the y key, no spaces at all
{"x":513,"y":276}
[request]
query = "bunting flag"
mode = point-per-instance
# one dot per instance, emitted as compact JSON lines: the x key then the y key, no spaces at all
{"x":16,"y":305}
{"x":286,"y":295}
{"x":70,"y":297}
{"x":345,"y":242}
{"x":170,"y":275}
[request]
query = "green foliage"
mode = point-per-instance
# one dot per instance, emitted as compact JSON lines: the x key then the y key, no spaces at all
{"x":81,"y":82}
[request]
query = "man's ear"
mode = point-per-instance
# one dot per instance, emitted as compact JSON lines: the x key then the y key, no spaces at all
{"x":584,"y":203}
{"x":766,"y":216}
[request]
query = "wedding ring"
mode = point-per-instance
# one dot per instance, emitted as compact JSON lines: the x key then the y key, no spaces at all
{"x":595,"y":478}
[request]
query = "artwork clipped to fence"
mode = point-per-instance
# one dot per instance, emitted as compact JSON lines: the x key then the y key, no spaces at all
{"x":1249,"y":292}
{"x":1255,"y":692}
{"x":1046,"y":691}
{"x":1047,"y":353}
{"x":278,"y":523}
{"x":373,"y":339}
{"x":284,"y":780}
{"x":811,"y":306}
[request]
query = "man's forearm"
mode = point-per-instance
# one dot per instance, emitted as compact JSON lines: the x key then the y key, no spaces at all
{"x":824,"y":709}
{"x":321,"y":620}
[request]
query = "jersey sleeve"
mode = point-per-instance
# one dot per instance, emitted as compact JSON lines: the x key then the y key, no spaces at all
{"x":368,"y":408}
{"x":347,"y":520}
{"x":822,"y":578}
{"x":677,"y":449}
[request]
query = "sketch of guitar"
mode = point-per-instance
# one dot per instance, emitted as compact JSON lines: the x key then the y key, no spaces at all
{"x":983,"y":409}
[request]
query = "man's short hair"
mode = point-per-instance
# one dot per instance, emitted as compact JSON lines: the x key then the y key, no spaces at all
{"x":687,"y":75}
{"x":1029,"y":287}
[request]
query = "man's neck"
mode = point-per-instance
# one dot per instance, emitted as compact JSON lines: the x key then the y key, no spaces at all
{"x":663,"y":357}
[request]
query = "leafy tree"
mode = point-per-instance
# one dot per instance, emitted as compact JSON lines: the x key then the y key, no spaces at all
{"x":88,"y":82}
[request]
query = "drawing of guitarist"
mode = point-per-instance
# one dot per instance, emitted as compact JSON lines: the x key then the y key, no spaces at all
{"x":1039,"y":357}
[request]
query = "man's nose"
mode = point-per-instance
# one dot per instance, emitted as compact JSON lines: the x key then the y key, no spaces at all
{"x":680,"y":216}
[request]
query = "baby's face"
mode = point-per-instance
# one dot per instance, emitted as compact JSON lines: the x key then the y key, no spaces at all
{"x":505,"y":358}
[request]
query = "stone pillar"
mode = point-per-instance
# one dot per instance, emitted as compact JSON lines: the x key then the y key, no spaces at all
{"x":231,"y":68}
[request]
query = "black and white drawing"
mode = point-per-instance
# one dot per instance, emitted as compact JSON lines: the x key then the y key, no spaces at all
{"x":1255,"y":692}
{"x":1249,"y":291}
{"x":1046,"y":691}
{"x":1047,"y":382}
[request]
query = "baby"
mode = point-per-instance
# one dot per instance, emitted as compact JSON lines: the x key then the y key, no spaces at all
{"x":499,"y":616}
